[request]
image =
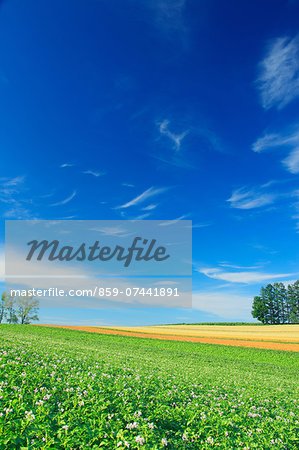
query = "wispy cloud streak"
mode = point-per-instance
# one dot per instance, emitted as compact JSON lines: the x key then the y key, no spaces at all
{"x":173,"y":221}
{"x":66,"y":165}
{"x":242,"y":276}
{"x":278,"y":80}
{"x":175,"y":138}
{"x":94,"y":173}
{"x":66,"y":200}
{"x":12,"y":193}
{"x":249,"y":199}
{"x":288,"y":141}
{"x":151,"y":192}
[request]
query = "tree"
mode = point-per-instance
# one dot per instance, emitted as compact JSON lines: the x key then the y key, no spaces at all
{"x":277,"y":304}
{"x":293,"y":302}
{"x":296,"y":307}
{"x":10,"y":311}
{"x":281,"y":302}
{"x":268,"y":296}
{"x":27,"y":309}
{"x":259,"y":309}
{"x":2,"y":306}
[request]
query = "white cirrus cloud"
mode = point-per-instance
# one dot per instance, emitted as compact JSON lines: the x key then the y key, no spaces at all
{"x":66,"y":165}
{"x":291,"y":162}
{"x":94,"y":173}
{"x":140,"y":217}
{"x":66,"y":200}
{"x":173,"y":221}
{"x":18,"y":212}
{"x":149,"y":207}
{"x":246,"y":276}
{"x":227,"y":305}
{"x":148,"y":193}
{"x":175,"y":138}
{"x":278,"y":80}
{"x":233,"y":266}
{"x":9,"y":187}
{"x":12,"y":181}
{"x":248,"y":199}
{"x":289,"y":141}
{"x":198,"y":225}
{"x":12,"y":192}
{"x":112,"y":231}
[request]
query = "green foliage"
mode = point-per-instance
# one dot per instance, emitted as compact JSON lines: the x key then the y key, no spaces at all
{"x":293,"y":303}
{"x":27,"y":309}
{"x":259,"y":309}
{"x":2,"y":307}
{"x":14,"y":309}
{"x":65,"y":389}
{"x":10,"y":311}
{"x":277,"y":304}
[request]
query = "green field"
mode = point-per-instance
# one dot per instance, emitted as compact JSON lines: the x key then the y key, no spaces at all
{"x":71,"y":389}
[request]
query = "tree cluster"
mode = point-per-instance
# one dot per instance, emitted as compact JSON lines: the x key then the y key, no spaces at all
{"x":277,"y":303}
{"x":21,"y":310}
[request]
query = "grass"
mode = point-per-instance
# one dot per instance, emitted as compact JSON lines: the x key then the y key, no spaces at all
{"x":72,"y":389}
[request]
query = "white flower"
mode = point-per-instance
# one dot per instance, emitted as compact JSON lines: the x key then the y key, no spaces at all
{"x":140,"y":440}
{"x":29,"y":415}
{"x":164,"y":442}
{"x":133,"y":425}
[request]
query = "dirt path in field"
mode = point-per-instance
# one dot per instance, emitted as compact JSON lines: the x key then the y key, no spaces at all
{"x":236,"y":343}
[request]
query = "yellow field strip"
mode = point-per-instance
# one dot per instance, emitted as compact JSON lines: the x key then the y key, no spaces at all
{"x":270,"y":333}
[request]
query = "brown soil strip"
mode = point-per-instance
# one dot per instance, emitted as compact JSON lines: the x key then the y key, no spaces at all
{"x":236,"y":343}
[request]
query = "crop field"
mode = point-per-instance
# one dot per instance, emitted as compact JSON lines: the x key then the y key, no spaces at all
{"x":275,"y":337}
{"x":273,"y":333}
{"x":67,"y":389}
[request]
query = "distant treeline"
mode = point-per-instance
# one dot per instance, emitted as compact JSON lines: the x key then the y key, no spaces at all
{"x":277,"y":304}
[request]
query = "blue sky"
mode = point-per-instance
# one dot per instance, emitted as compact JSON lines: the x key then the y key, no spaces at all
{"x":159,"y":110}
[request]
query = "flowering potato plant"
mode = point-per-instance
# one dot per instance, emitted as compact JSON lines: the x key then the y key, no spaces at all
{"x":71,"y":390}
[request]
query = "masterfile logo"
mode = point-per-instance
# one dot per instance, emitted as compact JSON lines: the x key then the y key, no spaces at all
{"x":145,"y":251}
